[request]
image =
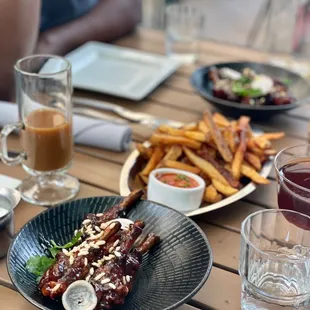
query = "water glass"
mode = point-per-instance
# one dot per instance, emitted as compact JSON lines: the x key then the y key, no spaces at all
{"x":280,"y":15}
{"x":43,"y":95}
{"x":183,"y":23}
{"x":275,"y":261}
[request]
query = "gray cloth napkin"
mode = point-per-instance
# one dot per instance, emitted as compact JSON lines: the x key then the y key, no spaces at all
{"x":87,"y":131}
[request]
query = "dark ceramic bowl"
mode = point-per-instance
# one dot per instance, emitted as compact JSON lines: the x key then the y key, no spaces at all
{"x":299,"y":87}
{"x":169,"y":276}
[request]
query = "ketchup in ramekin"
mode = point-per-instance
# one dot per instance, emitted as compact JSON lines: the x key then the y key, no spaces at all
{"x":177,"y":180}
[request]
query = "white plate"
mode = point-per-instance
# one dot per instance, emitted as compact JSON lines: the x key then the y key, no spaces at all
{"x":246,"y":190}
{"x":6,"y":181}
{"x":118,"y":71}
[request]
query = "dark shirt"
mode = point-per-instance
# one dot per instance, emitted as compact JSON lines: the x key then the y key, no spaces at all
{"x":58,"y":12}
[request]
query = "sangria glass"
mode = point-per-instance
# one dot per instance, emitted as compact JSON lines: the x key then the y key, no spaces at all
{"x":292,"y":166}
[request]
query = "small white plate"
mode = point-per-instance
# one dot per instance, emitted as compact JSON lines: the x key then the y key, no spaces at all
{"x":118,"y":71}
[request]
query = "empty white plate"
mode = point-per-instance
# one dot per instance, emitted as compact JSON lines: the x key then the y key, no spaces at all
{"x":118,"y":71}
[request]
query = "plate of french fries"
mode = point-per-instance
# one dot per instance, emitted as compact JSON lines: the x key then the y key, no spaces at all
{"x":229,"y":155}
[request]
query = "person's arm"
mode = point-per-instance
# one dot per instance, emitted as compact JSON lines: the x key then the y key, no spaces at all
{"x":19,"y":24}
{"x":108,"y":20}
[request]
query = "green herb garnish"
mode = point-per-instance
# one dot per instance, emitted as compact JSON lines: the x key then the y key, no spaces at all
{"x":239,"y":89}
{"x":182,"y":177}
{"x":56,"y":248}
{"x":244,"y":80}
{"x":39,"y":264}
{"x":287,"y":82}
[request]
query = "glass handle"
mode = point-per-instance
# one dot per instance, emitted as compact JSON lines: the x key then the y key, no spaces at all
{"x":6,"y":131}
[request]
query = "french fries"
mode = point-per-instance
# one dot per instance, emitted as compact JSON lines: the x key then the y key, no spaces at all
{"x":239,"y":155}
{"x":253,"y":160}
{"x":224,"y":153}
{"x":223,"y":188}
{"x":177,"y":165}
{"x":158,"y":139}
{"x":225,"y":173}
{"x":270,"y":152}
{"x":171,"y":131}
{"x":253,"y":175}
{"x":195,"y":135}
{"x":211,"y":195}
{"x":252,"y":147}
{"x":205,"y":166}
{"x":217,"y":137}
{"x":250,"y":134}
{"x":191,"y":126}
{"x":153,"y":162}
{"x":262,"y":143}
{"x":272,"y":135}
{"x":220,"y":120}
{"x":207,"y":149}
{"x":191,"y":134}
{"x":229,"y":135}
{"x":203,"y":127}
{"x":172,"y":154}
{"x":145,"y":152}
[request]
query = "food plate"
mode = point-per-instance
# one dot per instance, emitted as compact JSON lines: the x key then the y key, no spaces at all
{"x":118,"y":71}
{"x":169,"y":276}
{"x":134,"y":163}
{"x":298,"y":86}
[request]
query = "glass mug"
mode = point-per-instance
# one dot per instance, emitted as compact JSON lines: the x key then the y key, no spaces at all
{"x":43,"y":95}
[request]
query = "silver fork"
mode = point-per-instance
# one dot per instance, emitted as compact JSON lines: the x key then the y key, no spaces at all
{"x":134,"y":117}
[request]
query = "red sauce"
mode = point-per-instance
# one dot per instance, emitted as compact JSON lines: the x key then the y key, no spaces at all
{"x":177,"y":180}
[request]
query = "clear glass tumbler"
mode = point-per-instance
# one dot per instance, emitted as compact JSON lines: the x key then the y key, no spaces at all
{"x":183,"y":22}
{"x":275,"y":261}
{"x":280,"y":15}
{"x":43,"y":95}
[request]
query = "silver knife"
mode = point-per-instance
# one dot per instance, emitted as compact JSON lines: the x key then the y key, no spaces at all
{"x":98,"y":115}
{"x":134,"y":117}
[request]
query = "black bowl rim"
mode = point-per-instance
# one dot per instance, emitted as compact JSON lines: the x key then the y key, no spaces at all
{"x":176,"y":305}
{"x":238,"y":106}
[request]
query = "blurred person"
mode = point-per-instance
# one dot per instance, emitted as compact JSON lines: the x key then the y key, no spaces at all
{"x":57,"y":27}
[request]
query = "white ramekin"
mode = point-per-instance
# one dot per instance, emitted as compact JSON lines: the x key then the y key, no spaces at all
{"x":181,"y":199}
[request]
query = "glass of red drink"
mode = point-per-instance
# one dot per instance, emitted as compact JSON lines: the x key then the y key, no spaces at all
{"x":292,"y":165}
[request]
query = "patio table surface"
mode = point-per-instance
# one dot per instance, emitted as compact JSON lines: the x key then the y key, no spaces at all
{"x":99,"y":170}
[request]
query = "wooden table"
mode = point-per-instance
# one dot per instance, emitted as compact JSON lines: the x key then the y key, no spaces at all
{"x":99,"y":171}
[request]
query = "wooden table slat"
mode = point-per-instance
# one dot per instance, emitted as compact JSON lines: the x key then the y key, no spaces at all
{"x":222,"y":291}
{"x":232,"y":216}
